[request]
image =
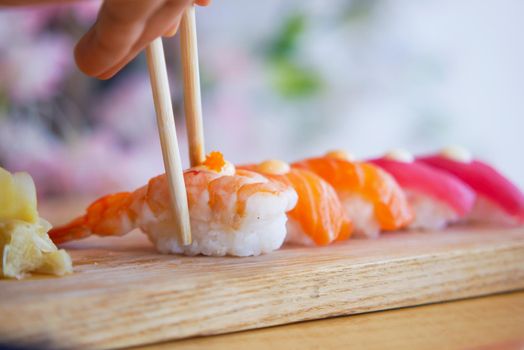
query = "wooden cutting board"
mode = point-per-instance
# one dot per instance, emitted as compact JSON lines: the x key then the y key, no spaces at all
{"x":123,"y":293}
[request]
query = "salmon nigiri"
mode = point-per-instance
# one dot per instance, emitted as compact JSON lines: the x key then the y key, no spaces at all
{"x":436,"y":197}
{"x":318,"y":217}
{"x":371,"y":197}
{"x":499,"y":201}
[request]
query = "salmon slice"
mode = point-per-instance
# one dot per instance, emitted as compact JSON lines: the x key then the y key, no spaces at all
{"x":373,"y":185}
{"x":319,"y":212}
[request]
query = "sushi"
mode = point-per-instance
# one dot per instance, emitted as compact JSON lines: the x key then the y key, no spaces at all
{"x":252,"y":209}
{"x":319,"y":217}
{"x":373,"y":201}
{"x":437,"y":198}
{"x":498,"y":200}
{"x":232,"y":211}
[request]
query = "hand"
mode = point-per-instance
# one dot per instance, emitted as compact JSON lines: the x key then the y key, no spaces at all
{"x":123,"y":29}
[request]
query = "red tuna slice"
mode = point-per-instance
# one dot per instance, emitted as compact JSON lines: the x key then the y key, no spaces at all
{"x":485,"y":180}
{"x":432,"y":182}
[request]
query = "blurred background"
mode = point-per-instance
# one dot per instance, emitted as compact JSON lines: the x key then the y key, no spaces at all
{"x":280,"y":80}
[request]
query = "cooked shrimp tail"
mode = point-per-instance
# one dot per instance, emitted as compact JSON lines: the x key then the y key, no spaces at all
{"x":110,"y":215}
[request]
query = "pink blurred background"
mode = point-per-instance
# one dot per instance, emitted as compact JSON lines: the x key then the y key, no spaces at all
{"x":280,"y":80}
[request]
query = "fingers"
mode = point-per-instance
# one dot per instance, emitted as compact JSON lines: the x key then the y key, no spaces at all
{"x":122,"y":30}
{"x":119,"y":25}
{"x":173,"y":30}
{"x":202,"y":2}
{"x":151,"y":32}
{"x":161,"y":22}
{"x":142,"y":42}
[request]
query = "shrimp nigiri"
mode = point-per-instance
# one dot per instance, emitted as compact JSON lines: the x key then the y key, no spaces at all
{"x":498,"y":201}
{"x":436,"y":197}
{"x":318,"y":218}
{"x":232,"y":212}
{"x":372,"y":199}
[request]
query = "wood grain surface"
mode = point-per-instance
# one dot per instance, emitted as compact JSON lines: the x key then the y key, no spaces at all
{"x":123,"y":293}
{"x":488,"y":323}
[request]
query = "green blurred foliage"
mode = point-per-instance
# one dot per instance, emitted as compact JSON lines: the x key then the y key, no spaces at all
{"x":285,"y":44}
{"x":293,"y":80}
{"x":359,"y":10}
{"x":290,"y":77}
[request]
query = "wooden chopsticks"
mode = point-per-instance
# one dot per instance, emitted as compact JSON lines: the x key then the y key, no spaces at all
{"x":192,"y":100}
{"x":166,"y":121}
{"x":168,"y":140}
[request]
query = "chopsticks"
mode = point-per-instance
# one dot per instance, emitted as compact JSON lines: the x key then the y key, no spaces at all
{"x":168,"y":139}
{"x":191,"y":75}
{"x":166,"y":121}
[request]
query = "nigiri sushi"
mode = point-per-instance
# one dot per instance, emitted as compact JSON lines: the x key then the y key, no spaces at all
{"x":436,"y":197}
{"x":232,"y":211}
{"x":373,"y":201}
{"x":318,"y":218}
{"x":498,"y":201}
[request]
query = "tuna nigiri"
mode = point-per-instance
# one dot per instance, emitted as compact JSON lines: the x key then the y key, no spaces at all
{"x":318,"y":218}
{"x":233,"y":212}
{"x":498,"y":201}
{"x":437,"y":198}
{"x":373,"y":200}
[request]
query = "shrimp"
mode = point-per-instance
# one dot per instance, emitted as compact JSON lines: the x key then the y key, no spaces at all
{"x":232,"y":212}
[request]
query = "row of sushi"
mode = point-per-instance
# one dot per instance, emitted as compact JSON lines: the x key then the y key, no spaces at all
{"x":252,"y":209}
